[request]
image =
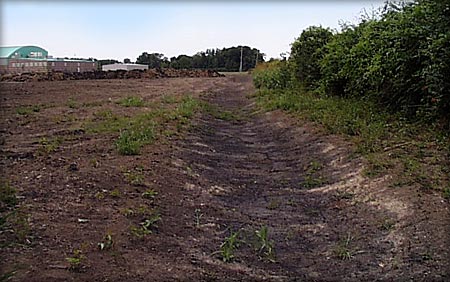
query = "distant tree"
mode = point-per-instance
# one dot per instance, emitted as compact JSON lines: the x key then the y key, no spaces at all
{"x":182,"y":62}
{"x":153,"y":60}
{"x":226,"y":59}
{"x":126,"y":61}
{"x":101,"y":63}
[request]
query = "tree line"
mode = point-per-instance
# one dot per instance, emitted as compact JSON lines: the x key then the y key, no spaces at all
{"x":225,"y":59}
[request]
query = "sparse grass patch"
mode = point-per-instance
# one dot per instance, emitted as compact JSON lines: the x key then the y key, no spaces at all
{"x":8,"y":197}
{"x":143,"y":129}
{"x":135,"y":176}
{"x":343,"y":249}
{"x":28,"y":110}
{"x":217,"y":113}
{"x":131,"y":141}
{"x":72,"y":103}
{"x":169,"y":99}
{"x":389,"y":142}
{"x":48,"y":146}
{"x":131,"y":101}
{"x":312,"y":180}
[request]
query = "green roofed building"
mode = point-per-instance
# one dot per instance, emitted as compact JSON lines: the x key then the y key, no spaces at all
{"x":16,"y":52}
{"x":21,"y":59}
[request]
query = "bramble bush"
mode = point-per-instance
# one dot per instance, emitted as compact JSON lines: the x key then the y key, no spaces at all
{"x":398,"y":59}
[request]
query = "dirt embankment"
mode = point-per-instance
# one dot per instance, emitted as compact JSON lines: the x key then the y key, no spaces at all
{"x":120,"y":74}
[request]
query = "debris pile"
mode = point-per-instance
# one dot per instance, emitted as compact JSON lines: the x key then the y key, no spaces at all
{"x":119,"y":74}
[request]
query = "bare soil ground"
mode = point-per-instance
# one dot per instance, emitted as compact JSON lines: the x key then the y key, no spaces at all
{"x":234,"y":173}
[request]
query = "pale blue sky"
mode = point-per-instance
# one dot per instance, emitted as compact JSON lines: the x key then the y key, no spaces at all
{"x":123,"y":29}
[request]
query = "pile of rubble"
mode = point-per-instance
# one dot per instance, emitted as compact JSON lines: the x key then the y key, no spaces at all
{"x":120,"y":74}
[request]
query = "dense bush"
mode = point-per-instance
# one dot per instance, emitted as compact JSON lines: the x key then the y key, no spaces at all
{"x":272,"y":75}
{"x":399,"y":59}
{"x":306,"y":53}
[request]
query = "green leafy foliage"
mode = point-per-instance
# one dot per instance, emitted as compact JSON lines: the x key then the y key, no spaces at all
{"x":399,"y":60}
{"x":306,"y":53}
{"x":225,"y":59}
{"x":273,"y":75}
{"x":228,"y":246}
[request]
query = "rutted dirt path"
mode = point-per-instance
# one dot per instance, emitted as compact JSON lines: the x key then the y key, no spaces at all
{"x":255,"y":170}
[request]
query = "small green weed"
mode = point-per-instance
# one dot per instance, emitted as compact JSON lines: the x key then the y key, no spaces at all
{"x":48,"y":146}
{"x":115,"y":193}
{"x":135,"y":176}
{"x":149,"y":194}
{"x":107,"y":243}
{"x":229,"y":245}
{"x":387,"y":224}
{"x":76,"y":260}
{"x":146,"y":226}
{"x":343,"y":250}
{"x":446,"y":193}
{"x":100,"y":195}
{"x":94,"y":162}
{"x":264,"y":245}
{"x":197,"y":216}
{"x":131,"y":101}
{"x":128,"y":212}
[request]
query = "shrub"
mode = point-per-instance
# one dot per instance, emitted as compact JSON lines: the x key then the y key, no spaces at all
{"x":306,"y":53}
{"x":272,"y":75}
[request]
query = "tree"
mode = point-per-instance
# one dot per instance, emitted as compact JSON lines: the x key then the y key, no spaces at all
{"x":306,"y":53}
{"x":126,"y":61}
{"x":153,"y":60}
{"x":101,"y":63}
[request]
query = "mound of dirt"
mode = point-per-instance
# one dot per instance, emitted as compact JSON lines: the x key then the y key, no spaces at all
{"x":120,"y":74}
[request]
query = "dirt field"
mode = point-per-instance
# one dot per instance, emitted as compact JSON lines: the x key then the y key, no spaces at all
{"x":234,"y":194}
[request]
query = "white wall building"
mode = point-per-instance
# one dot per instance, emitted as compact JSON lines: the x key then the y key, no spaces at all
{"x":127,"y":67}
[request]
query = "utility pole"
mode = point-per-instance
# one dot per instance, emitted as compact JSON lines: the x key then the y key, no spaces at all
{"x":240,"y":66}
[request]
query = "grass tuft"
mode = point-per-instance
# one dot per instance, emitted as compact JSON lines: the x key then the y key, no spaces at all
{"x":131,"y":101}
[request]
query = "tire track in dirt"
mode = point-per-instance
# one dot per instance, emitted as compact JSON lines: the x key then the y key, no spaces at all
{"x":263,"y":171}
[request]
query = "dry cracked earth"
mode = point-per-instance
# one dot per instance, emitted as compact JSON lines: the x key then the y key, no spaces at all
{"x":243,"y":195}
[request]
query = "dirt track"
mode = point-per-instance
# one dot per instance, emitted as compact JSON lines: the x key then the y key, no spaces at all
{"x":235,"y":170}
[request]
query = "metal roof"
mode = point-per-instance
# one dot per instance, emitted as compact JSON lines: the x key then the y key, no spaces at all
{"x":6,"y":52}
{"x":22,"y":51}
